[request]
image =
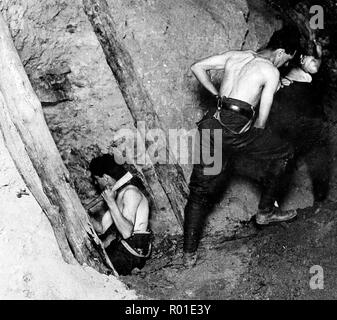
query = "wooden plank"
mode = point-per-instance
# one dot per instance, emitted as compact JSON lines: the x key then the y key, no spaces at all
{"x":38,"y":161}
{"x":137,"y":99}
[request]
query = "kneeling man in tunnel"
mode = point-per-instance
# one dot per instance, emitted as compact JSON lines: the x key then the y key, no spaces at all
{"x":128,"y":210}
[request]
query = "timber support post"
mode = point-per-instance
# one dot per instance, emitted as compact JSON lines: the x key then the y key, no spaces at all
{"x":138,"y":101}
{"x":35,"y":155}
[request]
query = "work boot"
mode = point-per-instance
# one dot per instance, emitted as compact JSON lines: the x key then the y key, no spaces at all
{"x":267,"y":216}
{"x":190,"y":259}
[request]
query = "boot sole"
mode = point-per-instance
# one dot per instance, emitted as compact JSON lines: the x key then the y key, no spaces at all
{"x":275,"y":220}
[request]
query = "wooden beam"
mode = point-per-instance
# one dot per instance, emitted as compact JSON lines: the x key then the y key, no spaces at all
{"x":38,"y":161}
{"x":137,"y":99}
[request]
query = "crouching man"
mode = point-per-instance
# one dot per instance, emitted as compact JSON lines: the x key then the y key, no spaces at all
{"x":128,"y":210}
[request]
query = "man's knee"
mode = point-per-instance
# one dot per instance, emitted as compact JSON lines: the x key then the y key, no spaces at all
{"x":288,"y":150}
{"x":280,"y":166}
{"x":197,"y":199}
{"x":287,"y":161}
{"x":203,"y":190}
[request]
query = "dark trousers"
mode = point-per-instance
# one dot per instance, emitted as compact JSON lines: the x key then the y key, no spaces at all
{"x":220,"y":144}
{"x":123,"y":260}
{"x":310,"y":138}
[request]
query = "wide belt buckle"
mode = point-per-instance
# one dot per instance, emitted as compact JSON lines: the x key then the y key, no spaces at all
{"x":234,"y":108}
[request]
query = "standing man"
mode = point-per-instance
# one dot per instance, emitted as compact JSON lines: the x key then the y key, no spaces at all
{"x":237,"y":127}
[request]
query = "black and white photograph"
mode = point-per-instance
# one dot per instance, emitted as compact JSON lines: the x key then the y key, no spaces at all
{"x":173,"y":151}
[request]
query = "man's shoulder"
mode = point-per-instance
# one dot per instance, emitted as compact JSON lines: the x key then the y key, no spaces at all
{"x":132,"y":191}
{"x":268,"y":68}
{"x":235,"y":56}
{"x":239,"y":53}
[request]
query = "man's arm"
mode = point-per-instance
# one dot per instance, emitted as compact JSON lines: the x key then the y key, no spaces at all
{"x":267,"y":97}
{"x":201,"y":67}
{"x":125,"y":220}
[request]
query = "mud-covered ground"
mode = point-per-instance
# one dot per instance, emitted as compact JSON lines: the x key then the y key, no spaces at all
{"x":269,"y":263}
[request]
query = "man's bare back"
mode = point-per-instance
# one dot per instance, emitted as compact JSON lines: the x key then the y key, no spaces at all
{"x":141,"y":215}
{"x":247,"y":76}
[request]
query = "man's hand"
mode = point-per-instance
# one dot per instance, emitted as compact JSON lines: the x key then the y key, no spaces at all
{"x":109,"y":195}
{"x":285,"y":82}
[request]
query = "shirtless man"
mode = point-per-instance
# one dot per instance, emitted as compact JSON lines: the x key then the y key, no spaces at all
{"x":243,"y":104}
{"x":128,"y":210}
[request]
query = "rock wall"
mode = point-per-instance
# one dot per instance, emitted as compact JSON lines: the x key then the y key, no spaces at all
{"x":82,"y":102}
{"x":165,"y":37}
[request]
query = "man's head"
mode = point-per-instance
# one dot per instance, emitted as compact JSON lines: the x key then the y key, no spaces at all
{"x":310,"y":64}
{"x":284,"y":43}
{"x":105,"y":171}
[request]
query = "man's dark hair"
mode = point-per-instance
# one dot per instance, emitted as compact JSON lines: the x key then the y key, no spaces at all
{"x":106,"y":164}
{"x":293,"y":63}
{"x":287,"y":38}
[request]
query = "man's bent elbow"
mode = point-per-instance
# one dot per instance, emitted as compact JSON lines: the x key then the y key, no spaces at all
{"x":126,"y":234}
{"x":195,"y":67}
{"x":260,"y":124}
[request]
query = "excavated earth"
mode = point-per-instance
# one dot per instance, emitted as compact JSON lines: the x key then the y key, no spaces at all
{"x":269,"y":263}
{"x":84,"y":110}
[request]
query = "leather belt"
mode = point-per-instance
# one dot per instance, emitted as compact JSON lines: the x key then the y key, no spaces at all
{"x":249,"y":114}
{"x":134,"y":252}
{"x":246,"y":113}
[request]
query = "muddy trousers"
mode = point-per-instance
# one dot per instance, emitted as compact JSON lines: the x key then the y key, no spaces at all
{"x":217,"y":145}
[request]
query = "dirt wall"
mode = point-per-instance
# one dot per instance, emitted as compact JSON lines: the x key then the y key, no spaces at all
{"x":82,"y":102}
